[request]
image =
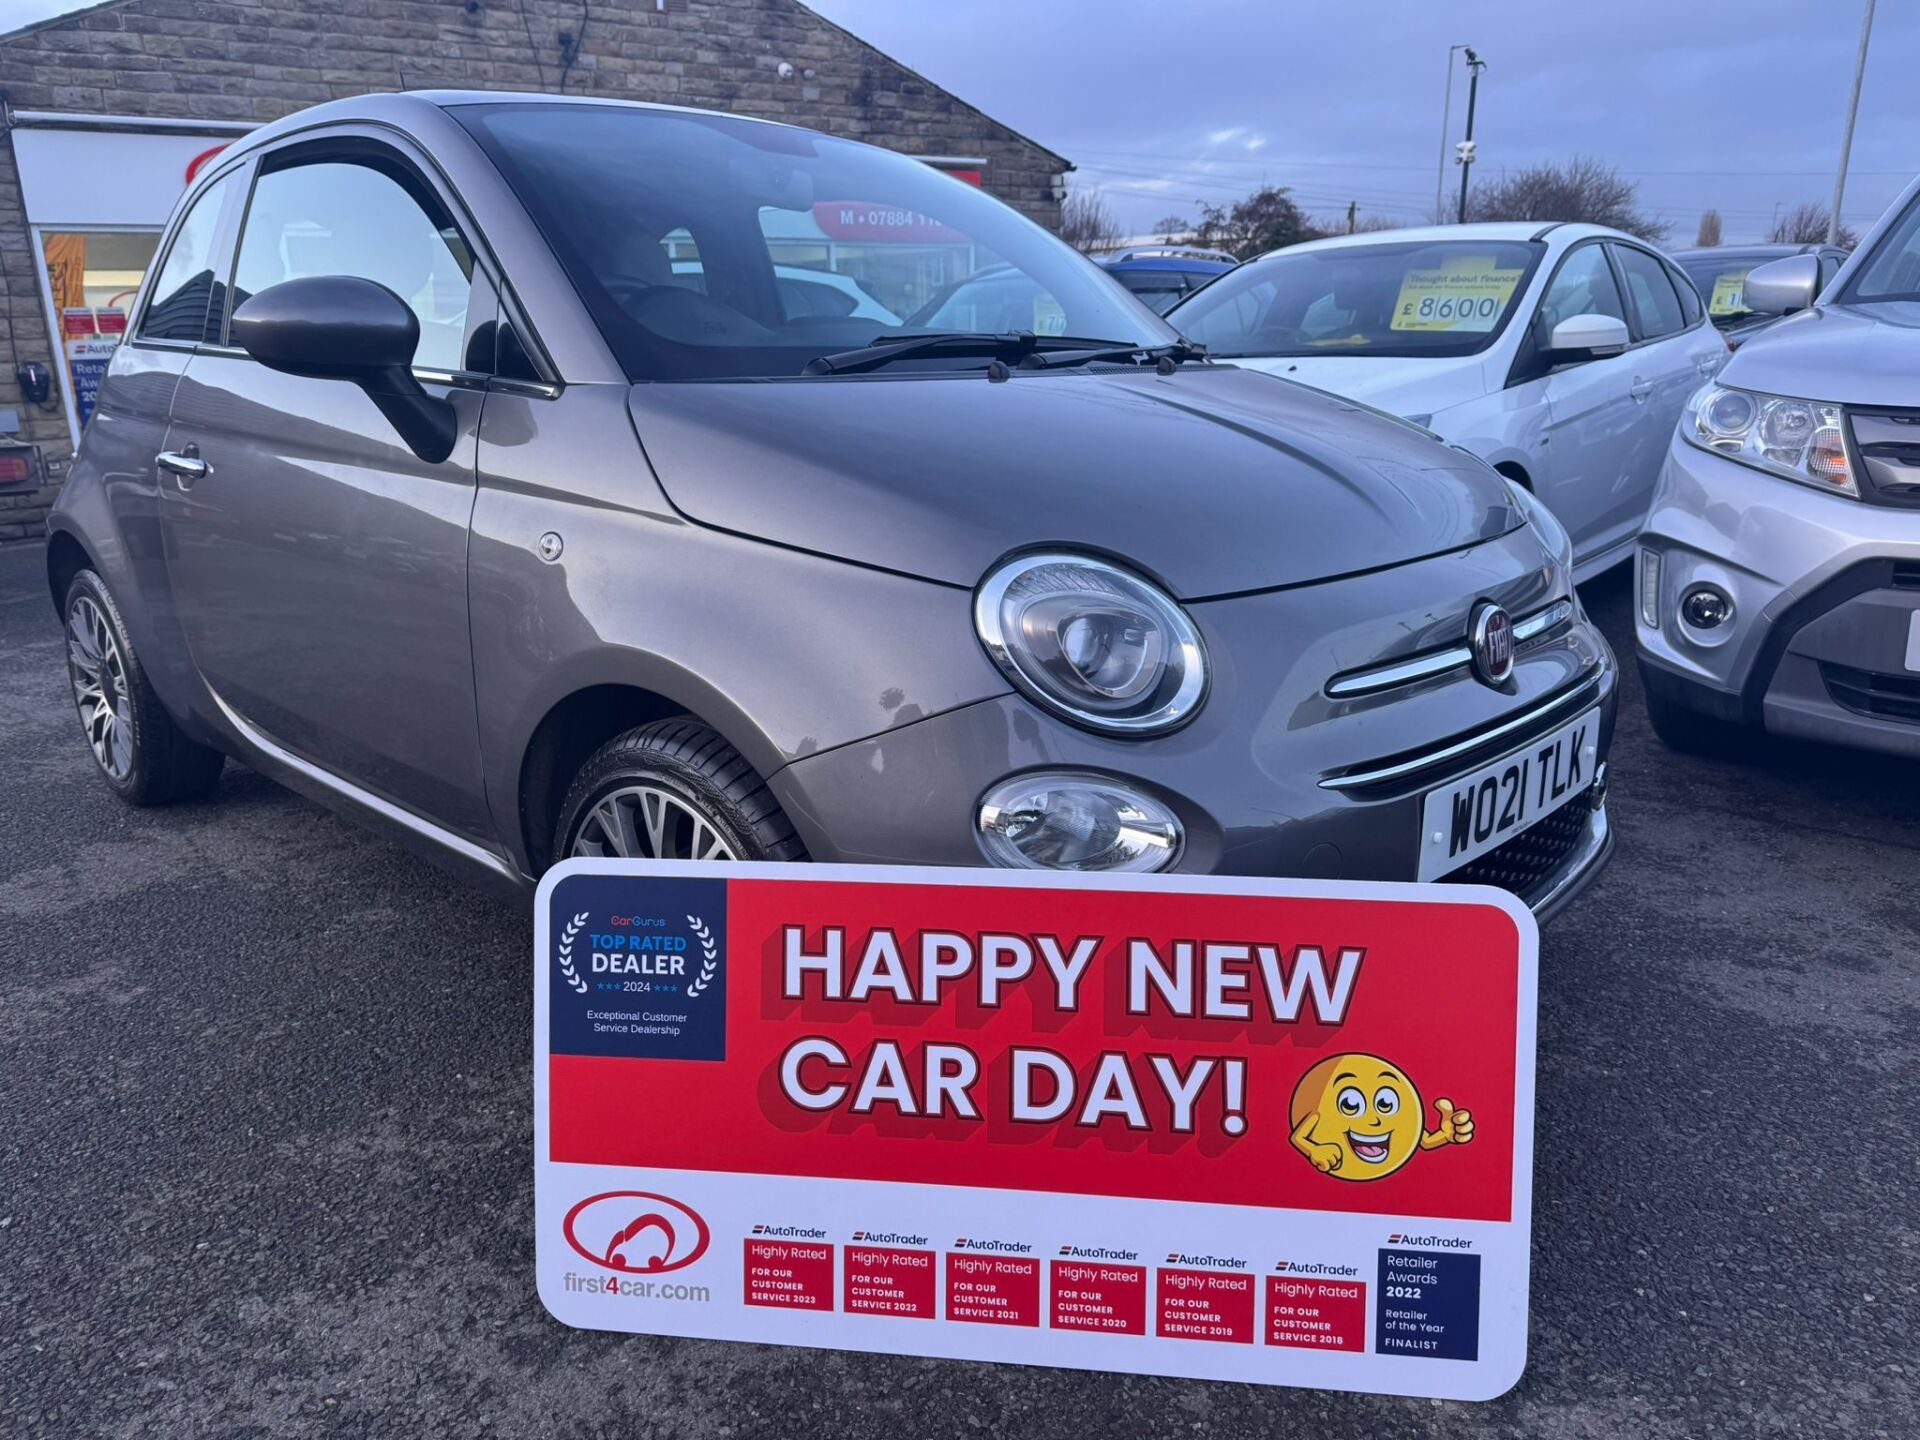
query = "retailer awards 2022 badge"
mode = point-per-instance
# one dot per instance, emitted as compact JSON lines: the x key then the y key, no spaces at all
{"x":1278,"y":1132}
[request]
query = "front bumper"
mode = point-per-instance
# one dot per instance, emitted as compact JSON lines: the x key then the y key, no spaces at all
{"x":1263,"y":779}
{"x":1825,"y":591}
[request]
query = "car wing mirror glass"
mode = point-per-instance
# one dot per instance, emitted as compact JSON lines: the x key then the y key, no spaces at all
{"x":1781,"y":287}
{"x":340,"y":327}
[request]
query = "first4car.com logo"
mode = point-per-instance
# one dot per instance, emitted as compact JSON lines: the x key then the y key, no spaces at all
{"x":637,"y":1235}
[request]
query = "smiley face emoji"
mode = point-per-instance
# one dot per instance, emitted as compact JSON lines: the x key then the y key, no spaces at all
{"x":1358,"y":1117}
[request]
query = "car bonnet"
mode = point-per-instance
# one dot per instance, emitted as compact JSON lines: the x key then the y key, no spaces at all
{"x":1214,"y":480}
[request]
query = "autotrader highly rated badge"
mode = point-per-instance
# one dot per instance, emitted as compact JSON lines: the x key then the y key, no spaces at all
{"x":1267,"y":1131}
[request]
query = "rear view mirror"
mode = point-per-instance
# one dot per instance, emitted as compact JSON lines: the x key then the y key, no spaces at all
{"x":1781,"y":287}
{"x":339,"y":327}
{"x":1588,"y":337}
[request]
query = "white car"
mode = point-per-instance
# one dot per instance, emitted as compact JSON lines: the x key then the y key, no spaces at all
{"x":1562,"y":355}
{"x":805,"y":291}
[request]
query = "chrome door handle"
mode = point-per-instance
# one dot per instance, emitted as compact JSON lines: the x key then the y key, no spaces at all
{"x":186,"y":464}
{"x":1640,"y":389}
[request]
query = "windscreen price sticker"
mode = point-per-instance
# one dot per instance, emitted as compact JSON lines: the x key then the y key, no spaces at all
{"x":1269,"y":1131}
{"x":1466,"y":294}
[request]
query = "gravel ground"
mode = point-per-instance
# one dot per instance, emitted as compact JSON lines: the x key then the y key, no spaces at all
{"x":265,"y":1134}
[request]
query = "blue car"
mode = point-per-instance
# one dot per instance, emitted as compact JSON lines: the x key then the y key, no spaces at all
{"x":1162,"y":276}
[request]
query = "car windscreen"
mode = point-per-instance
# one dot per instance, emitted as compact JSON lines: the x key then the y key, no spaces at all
{"x":677,"y":229}
{"x":1159,"y":288}
{"x":1892,"y":270}
{"x":1722,"y":280}
{"x":1445,"y":297}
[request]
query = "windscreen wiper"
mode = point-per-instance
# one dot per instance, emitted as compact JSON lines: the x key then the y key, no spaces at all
{"x":1006,"y":345}
{"x":1022,"y":346}
{"x":1172,"y":354}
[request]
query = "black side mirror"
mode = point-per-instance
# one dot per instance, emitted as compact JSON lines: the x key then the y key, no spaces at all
{"x":339,"y":327}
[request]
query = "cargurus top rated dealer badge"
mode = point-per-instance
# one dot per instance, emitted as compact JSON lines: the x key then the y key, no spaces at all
{"x":641,"y":982}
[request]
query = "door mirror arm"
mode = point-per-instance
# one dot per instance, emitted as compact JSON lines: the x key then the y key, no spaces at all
{"x":340,"y":327}
{"x":428,"y":423}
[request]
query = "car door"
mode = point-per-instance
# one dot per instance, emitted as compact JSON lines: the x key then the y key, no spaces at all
{"x":1589,"y":410}
{"x":1673,"y":352}
{"x":320,"y":565}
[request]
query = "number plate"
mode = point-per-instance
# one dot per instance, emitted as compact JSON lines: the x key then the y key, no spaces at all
{"x":1465,"y":818}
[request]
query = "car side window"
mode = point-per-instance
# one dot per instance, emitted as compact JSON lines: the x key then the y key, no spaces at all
{"x":1654,"y":301}
{"x":370,"y":220}
{"x":1584,"y":285}
{"x":1689,"y":297}
{"x":187,"y":301}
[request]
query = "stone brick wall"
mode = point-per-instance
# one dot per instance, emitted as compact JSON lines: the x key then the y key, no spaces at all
{"x":260,"y":59}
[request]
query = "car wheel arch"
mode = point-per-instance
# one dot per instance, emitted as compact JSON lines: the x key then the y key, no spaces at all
{"x":1515,"y":472}
{"x":66,"y":558}
{"x":574,"y":726}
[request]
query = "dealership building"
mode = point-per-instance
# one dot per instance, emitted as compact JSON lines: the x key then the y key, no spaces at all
{"x":109,"y":111}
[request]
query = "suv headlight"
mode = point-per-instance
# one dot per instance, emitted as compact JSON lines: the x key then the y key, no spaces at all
{"x":1799,"y":440}
{"x":1552,"y":533}
{"x":1092,"y":642}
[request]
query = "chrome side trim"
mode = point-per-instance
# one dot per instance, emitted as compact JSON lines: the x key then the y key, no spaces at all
{"x":1365,"y":682}
{"x":385,"y":809}
{"x":1581,"y":693}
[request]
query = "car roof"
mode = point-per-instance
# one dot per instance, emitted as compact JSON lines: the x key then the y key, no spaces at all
{"x":1171,"y":262}
{"x":397,"y":108}
{"x":1553,"y":232}
{"x":1705,"y":252}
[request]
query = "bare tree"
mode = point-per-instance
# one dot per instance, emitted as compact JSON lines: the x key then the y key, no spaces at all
{"x":1582,"y":189}
{"x":1709,"y":232}
{"x":1806,"y":224}
{"x":1265,"y":220}
{"x":1087,"y":224}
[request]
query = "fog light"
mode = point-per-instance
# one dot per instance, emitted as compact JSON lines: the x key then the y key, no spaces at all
{"x":1705,"y":608}
{"x":1650,"y":589}
{"x":1065,"y":821}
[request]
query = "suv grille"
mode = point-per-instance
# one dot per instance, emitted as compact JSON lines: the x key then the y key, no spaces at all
{"x":1533,"y":855}
{"x":1868,"y":692}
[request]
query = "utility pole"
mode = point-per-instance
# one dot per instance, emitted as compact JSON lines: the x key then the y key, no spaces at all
{"x":1846,"y":141}
{"x":1352,"y":206}
{"x":1474,"y":66}
{"x":1446,"y":117}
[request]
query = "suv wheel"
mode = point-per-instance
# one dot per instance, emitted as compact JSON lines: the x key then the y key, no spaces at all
{"x":140,"y":751}
{"x":672,"y":790}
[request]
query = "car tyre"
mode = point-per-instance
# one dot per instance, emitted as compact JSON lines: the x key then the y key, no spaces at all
{"x":1690,"y":732}
{"x":141,"y":752}
{"x":673,"y":790}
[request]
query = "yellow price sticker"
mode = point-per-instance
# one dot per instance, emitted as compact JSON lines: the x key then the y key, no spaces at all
{"x":1729,"y":294}
{"x":1468,"y":293}
{"x":1049,"y":316}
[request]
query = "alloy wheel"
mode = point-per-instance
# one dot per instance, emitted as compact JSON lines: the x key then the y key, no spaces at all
{"x":646,"y":822}
{"x":99,"y":676}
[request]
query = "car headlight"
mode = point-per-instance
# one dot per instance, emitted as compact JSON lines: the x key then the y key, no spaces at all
{"x":1795,"y":439}
{"x":1092,"y":642}
{"x":1065,"y":820}
{"x":1552,"y":533}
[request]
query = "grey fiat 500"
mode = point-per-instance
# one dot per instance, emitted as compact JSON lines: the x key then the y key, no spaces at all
{"x":490,"y":467}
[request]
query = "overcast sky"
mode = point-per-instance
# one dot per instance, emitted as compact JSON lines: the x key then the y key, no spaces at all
{"x":1734,"y":104}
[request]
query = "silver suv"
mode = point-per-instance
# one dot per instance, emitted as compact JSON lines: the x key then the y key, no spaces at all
{"x":471,"y":468}
{"x":1778,"y":578}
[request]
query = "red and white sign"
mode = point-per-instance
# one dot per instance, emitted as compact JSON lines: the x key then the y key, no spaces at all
{"x":1270,"y":1131}
{"x":868,"y":222}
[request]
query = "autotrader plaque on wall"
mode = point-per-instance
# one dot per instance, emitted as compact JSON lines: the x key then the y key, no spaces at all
{"x":1261,"y":1130}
